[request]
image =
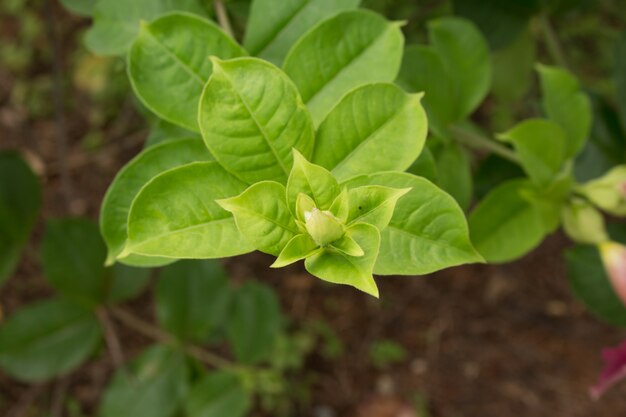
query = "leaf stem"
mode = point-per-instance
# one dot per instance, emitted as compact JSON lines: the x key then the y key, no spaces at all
{"x":476,"y":141}
{"x":154,"y":332}
{"x":552,"y":42}
{"x":111,"y":338}
{"x":222,"y":17}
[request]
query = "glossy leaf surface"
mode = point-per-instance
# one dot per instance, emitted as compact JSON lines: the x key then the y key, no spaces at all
{"x":175,"y":215}
{"x":168,"y":64}
{"x":341,"y":53}
{"x":374,"y":128}
{"x":251,"y":117}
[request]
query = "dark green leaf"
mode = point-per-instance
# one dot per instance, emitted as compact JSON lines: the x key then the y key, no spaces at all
{"x":192,"y":298}
{"x":255,"y":322}
{"x":218,"y":394}
{"x":20,"y":199}
{"x":46,"y":340}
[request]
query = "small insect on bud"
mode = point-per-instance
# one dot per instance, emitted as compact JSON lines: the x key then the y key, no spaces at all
{"x":323,"y":226}
{"x":614,"y":259}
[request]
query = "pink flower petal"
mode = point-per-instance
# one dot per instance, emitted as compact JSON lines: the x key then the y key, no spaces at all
{"x":614,"y":370}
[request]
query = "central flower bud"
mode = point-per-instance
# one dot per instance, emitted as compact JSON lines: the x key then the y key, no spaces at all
{"x":322,"y":226}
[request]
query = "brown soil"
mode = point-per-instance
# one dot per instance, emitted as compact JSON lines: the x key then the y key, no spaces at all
{"x":483,"y":341}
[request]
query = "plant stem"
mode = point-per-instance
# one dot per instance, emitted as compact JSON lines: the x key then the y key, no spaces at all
{"x":476,"y":141}
{"x":552,"y":42}
{"x":154,"y":332}
{"x":111,"y":338}
{"x":222,"y":17}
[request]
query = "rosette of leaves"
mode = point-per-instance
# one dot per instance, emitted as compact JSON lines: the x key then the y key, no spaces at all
{"x":304,"y":162}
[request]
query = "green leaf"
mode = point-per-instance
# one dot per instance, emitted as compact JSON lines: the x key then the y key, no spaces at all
{"x":20,"y":200}
{"x":348,"y":246}
{"x":155,"y":385}
{"x":164,"y":131}
{"x":376,"y":127}
{"x":513,"y":68}
{"x":583,"y":223}
{"x":340,"y":268}
{"x":255,"y":323}
{"x":540,"y":145}
{"x":423,"y":71}
{"x":341,"y":53}
{"x":609,"y":191}
{"x":454,"y":172}
{"x":341,"y":206}
{"x":425,"y":166}
{"x":168,"y":64}
{"x":126,"y":283}
{"x":129,"y":181}
{"x":507,"y":224}
{"x":251,"y":117}
{"x":312,"y":180}
{"x":116,"y":22}
{"x":175,"y":215}
{"x":590,"y":283}
{"x":275,"y":25}
{"x":427,"y":232}
{"x":192,"y":299}
{"x":373,"y":204}
{"x":80,"y":7}
{"x":566,"y":105}
{"x":298,"y":248}
{"x":620,"y":76}
{"x":465,"y":56}
{"x":262,"y":216}
{"x":218,"y":394}
{"x":72,"y":256}
{"x":47,"y":339}
{"x":500,"y":21}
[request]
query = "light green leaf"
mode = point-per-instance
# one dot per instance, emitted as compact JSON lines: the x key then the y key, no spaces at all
{"x":46,"y":340}
{"x":507,"y":224}
{"x":304,"y":203}
{"x":348,"y":246}
{"x":128,"y":183}
{"x":540,"y":145}
{"x":427,"y":232}
{"x":312,"y":180}
{"x":590,"y":283}
{"x":164,"y":131}
{"x":298,"y":248}
{"x":341,"y":53}
{"x":339,"y":268}
{"x":168,"y":64}
{"x":583,"y":223}
{"x":116,"y":22}
{"x":341,"y":206}
{"x":175,"y":215}
{"x":377,"y":127}
{"x":20,"y":200}
{"x":465,"y":56}
{"x":155,"y":384}
{"x":373,"y":204}
{"x":192,"y":299}
{"x":454,"y":172}
{"x":566,"y":105}
{"x":251,"y":117}
{"x":275,"y":25}
{"x":262,"y":216}
{"x":218,"y":394}
{"x":423,"y":71}
{"x":609,"y":191}
{"x":255,"y":323}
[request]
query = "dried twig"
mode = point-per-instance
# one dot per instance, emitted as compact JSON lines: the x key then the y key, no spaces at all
{"x":110,"y":335}
{"x":222,"y":18}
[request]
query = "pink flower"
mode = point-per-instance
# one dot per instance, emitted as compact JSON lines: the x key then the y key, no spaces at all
{"x":613,"y":372}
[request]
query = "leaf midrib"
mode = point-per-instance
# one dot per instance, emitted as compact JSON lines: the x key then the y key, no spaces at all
{"x":197,"y":77}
